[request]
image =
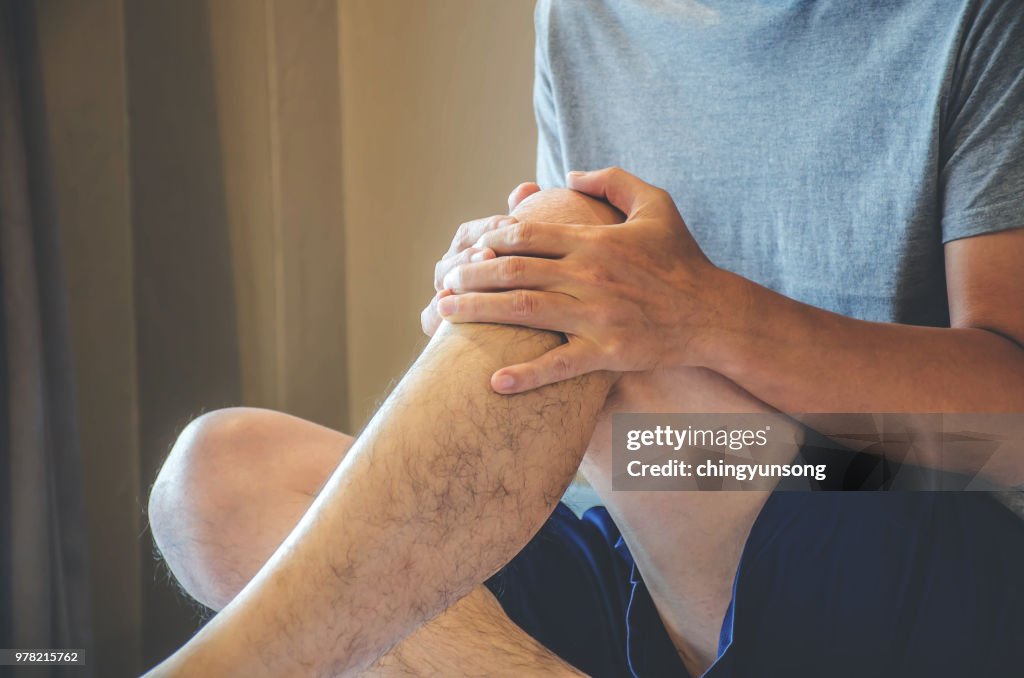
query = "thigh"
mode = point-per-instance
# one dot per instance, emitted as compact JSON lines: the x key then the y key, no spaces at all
{"x":273,"y":450}
{"x":256,"y":472}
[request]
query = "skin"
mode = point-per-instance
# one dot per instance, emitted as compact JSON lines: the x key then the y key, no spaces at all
{"x":643,"y":295}
{"x":458,"y":478}
{"x":239,"y":480}
{"x":236,"y":484}
{"x":687,"y":544}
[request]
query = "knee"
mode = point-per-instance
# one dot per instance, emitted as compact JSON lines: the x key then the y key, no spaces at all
{"x":562,"y":205}
{"x":201,"y":482}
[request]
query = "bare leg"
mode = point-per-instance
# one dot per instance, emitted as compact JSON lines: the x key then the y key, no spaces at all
{"x":234,"y":487}
{"x":446,"y":484}
{"x":239,"y":480}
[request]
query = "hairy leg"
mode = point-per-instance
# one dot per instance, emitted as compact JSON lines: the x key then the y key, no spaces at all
{"x":238,"y":481}
{"x":447,"y":483}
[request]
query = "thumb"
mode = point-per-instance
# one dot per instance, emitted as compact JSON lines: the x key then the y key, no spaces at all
{"x":561,"y":363}
{"x":521,"y":193}
{"x":622,"y":189}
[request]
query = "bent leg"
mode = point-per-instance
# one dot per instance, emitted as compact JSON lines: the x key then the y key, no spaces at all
{"x":458,"y":479}
{"x":236,"y":483}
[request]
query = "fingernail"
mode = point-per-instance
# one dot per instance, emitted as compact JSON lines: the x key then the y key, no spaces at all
{"x":451,"y":279}
{"x":448,"y":305}
{"x":504,"y":382}
{"x":506,"y":221}
{"x":576,"y":173}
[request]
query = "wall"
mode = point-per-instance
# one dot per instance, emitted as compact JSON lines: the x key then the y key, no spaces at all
{"x":252,"y":196}
{"x":438,"y":128}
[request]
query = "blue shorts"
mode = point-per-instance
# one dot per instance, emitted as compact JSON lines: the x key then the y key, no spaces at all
{"x":829,"y":584}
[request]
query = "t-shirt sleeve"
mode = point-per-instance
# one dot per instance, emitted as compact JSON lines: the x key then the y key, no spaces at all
{"x":550,"y":160}
{"x":982,"y":145}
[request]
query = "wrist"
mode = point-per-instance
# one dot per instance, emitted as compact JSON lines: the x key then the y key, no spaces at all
{"x":721,"y":335}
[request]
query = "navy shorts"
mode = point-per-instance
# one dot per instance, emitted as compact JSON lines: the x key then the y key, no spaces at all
{"x":830,"y":584}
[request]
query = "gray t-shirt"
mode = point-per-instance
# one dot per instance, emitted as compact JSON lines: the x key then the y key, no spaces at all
{"x":826,"y":150}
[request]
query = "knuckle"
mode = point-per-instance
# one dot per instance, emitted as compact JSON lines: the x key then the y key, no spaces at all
{"x":590,"y":237}
{"x":512,"y":269}
{"x":613,"y":348}
{"x":524,"y":303}
{"x":598,"y":275}
{"x":521,"y":234}
{"x":495,"y":222}
{"x":461,"y":234}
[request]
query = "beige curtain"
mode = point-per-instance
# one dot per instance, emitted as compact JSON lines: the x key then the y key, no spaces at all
{"x":44,"y":583}
{"x":251,"y":194}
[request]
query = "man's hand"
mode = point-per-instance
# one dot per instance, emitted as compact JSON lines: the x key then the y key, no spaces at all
{"x":463,"y":251}
{"x":629,"y":297}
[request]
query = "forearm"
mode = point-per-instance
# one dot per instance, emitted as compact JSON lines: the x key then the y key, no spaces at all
{"x":801,"y":359}
{"x":446,"y":484}
{"x":644,"y":295}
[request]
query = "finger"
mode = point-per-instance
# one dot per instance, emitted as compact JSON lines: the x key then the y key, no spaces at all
{"x":622,"y":189}
{"x":430,"y":319}
{"x":520,"y":193}
{"x":561,"y":363}
{"x":505,"y":273}
{"x":466,"y":256}
{"x":471,"y":231}
{"x":536,"y":238}
{"x":530,"y":308}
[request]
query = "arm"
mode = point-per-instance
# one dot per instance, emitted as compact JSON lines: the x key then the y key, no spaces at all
{"x":643,"y":295}
{"x":446,"y":484}
{"x":833,"y":363}
{"x":823,"y":362}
